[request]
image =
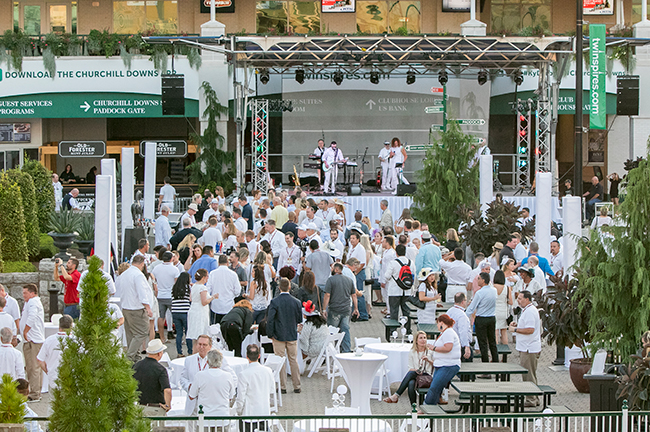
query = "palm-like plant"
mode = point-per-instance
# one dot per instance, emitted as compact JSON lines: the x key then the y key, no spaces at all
{"x":65,"y":222}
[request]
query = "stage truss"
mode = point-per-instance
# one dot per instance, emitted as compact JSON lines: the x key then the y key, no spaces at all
{"x":260,"y":144}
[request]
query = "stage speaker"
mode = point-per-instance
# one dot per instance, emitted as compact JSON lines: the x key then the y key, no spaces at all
{"x":354,"y":190}
{"x":131,"y":238}
{"x":173,"y":94}
{"x":627,"y":95}
{"x":404,"y":189}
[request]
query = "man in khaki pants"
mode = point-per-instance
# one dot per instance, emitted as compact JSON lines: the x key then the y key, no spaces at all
{"x":32,"y":328}
{"x":135,"y":307}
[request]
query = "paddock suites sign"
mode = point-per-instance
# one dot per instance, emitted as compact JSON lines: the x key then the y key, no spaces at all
{"x":90,"y":87}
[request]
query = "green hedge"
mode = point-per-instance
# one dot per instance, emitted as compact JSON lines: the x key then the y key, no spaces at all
{"x":12,"y":222}
{"x":19,"y":267}
{"x":47,"y":248}
{"x":32,"y":229}
{"x":42,"y":178}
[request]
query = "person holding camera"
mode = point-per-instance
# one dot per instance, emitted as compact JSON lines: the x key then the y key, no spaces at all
{"x":69,"y":275}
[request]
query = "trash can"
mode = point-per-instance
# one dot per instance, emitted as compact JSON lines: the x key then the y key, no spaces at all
{"x":602,"y":397}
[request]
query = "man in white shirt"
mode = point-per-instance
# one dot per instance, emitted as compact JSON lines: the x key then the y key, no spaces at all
{"x":166,"y":275}
{"x":310,"y":217}
{"x":135,"y":307}
{"x":324,"y":212}
{"x":163,"y":230}
{"x":192,"y":209}
{"x":458,"y":273}
{"x":290,"y":254}
{"x":11,"y":360}
{"x":462,"y":326}
{"x":276,"y":239}
{"x":213,"y":210}
{"x":397,"y":297}
{"x":50,"y":355}
{"x":528,"y":340}
{"x":212,"y":236}
{"x":384,"y":158}
{"x":252,"y":244}
{"x":556,"y":257}
{"x":32,"y":329}
{"x":519,"y":251}
{"x":196,"y":363}
{"x":143,"y":251}
{"x":240,"y":222}
{"x":332,"y":157}
{"x":167,"y":195}
{"x":224,"y":282}
{"x":7,"y":320}
{"x":256,"y":384}
{"x":533,"y":263}
{"x":312,"y":234}
{"x":336,"y":241}
{"x":356,"y":250}
{"x":260,"y":222}
{"x":11,"y":307}
{"x":58,"y":192}
{"x":213,"y":387}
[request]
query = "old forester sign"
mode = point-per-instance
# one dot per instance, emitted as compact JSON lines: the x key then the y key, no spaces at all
{"x":82,"y":149}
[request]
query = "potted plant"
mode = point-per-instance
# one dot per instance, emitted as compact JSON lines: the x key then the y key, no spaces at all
{"x":86,"y":233}
{"x":12,"y":406}
{"x":565,"y":313}
{"x":64,"y":225}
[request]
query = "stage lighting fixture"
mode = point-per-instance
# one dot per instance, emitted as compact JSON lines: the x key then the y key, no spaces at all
{"x":482,"y":77}
{"x":374,"y":77}
{"x":518,"y":77}
{"x":410,"y":77}
{"x":338,"y":77}
{"x":443,"y":77}
{"x":264,"y":75}
{"x":300,"y":76}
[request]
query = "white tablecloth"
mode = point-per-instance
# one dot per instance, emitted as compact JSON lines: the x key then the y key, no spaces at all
{"x":397,"y":363}
{"x":359,"y":373}
{"x":236,"y":363}
{"x":369,"y":205}
{"x":531,"y":203}
{"x":50,"y":329}
{"x":365,"y":425}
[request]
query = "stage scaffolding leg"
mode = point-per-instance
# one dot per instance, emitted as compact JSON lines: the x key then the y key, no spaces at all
{"x":543,"y":161}
{"x":259,"y":140}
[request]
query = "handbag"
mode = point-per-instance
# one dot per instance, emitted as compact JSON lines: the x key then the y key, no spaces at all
{"x":415,"y":301}
{"x":423,"y":380}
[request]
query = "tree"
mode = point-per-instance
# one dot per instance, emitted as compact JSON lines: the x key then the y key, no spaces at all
{"x":616,"y":263}
{"x":96,"y":390}
{"x":12,"y":222}
{"x":446,"y":181}
{"x":30,"y":209}
{"x":212,"y":165}
{"x":44,"y":190}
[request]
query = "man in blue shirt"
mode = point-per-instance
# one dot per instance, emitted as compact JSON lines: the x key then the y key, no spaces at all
{"x":484,"y":306}
{"x":206,"y":261}
{"x":246,"y":211}
{"x":429,"y":255}
{"x":543,"y":262}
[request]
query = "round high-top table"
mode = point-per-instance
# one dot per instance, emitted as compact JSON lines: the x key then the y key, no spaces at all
{"x":398,"y":358}
{"x":359,"y":374}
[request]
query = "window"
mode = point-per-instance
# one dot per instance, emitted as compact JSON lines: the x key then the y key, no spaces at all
{"x":278,"y":17}
{"x":145,"y":16}
{"x":394,"y":17}
{"x":521,"y":16}
{"x":36,"y":18}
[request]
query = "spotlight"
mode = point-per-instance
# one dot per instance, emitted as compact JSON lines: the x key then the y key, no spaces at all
{"x":443,"y":77}
{"x":300,"y":76}
{"x":410,"y":77}
{"x":374,"y":77}
{"x":482,"y":77}
{"x":264,"y":75}
{"x":338,"y":77}
{"x":518,"y":77}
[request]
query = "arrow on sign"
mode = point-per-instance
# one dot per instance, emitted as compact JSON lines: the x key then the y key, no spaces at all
{"x":478,"y":140}
{"x":438,"y":102}
{"x":471,"y":122}
{"x":436,"y":127}
{"x":434,"y":109}
{"x":370,"y":103}
{"x":85,"y":106}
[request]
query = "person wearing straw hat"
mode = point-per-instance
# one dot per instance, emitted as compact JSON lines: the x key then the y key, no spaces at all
{"x":192,"y":209}
{"x":428,"y":293}
{"x":153,"y":381}
{"x":494,"y":258}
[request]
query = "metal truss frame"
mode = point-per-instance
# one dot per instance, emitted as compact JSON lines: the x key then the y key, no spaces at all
{"x":523,"y":109}
{"x":259,"y":140}
{"x":543,"y":115}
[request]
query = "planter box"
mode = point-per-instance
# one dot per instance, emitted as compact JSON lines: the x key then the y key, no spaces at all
{"x":602,"y":397}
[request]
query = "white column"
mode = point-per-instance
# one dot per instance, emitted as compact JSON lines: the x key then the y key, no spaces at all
{"x":108,"y":168}
{"x":473,"y":27}
{"x":572,"y":224}
{"x":103,"y":208}
{"x":544,"y":185}
{"x":128,"y":164}
{"x":150,"y":155}
{"x":486,"y":181}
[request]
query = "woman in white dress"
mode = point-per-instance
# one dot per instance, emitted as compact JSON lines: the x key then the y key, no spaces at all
{"x":198,"y":317}
{"x":428,"y":293}
{"x":259,"y":294}
{"x":508,"y":266}
{"x":504,"y":298}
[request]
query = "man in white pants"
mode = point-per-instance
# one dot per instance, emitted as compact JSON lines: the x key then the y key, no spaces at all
{"x":458,"y":273}
{"x":331,"y":158}
{"x":385,"y":159}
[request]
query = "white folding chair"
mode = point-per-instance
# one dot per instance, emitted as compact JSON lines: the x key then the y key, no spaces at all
{"x":383,"y":384}
{"x":363,"y":341}
{"x":342,"y":411}
{"x":228,"y":353}
{"x":334,"y":368}
{"x":322,"y":361}
{"x":276,"y":362}
{"x":55,"y":319}
{"x":333,"y":330}
{"x":264,"y":340}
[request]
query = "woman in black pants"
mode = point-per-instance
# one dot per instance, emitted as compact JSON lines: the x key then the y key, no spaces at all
{"x":419,"y":361}
{"x":237,"y":324}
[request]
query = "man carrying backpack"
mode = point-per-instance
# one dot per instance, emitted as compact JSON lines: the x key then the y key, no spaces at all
{"x":399,"y":283}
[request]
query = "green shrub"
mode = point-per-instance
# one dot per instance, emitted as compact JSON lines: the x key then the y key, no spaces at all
{"x":30,"y":210}
{"x":42,"y":178}
{"x":47,"y":248}
{"x":12,"y":222}
{"x":12,"y":403}
{"x":19,"y":267}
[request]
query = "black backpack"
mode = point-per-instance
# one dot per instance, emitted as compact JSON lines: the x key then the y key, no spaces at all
{"x":405,"y":278}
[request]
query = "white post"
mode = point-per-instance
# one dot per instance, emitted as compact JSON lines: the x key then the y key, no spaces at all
{"x":103,"y":208}
{"x":486,"y":181}
{"x":150,"y":155}
{"x":572,"y":223}
{"x":473,"y":27}
{"x":108,"y":168}
{"x":544,"y":185}
{"x":212,"y":10}
{"x":644,"y":10}
{"x":128,"y":164}
{"x":472,"y":10}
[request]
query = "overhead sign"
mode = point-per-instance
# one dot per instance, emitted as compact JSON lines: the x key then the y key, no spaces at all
{"x":598,"y":68}
{"x":471,"y":122}
{"x":434,"y":109}
{"x":597,"y":7}
{"x":338,"y":5}
{"x":70,"y":149}
{"x":221,"y":6}
{"x":437,"y":90}
{"x":167,"y":149}
{"x":15,"y":132}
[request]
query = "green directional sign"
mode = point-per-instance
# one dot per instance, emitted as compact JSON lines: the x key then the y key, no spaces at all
{"x":471,"y":122}
{"x":477,"y":140}
{"x":434,"y":109}
{"x":438,"y":102}
{"x":418,"y":147}
{"x":437,"y":127}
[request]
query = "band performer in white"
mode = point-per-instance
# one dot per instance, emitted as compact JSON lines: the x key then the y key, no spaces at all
{"x":385,"y":156}
{"x":332,"y":157}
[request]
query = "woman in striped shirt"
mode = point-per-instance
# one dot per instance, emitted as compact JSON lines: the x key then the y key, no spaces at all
{"x":180,"y":306}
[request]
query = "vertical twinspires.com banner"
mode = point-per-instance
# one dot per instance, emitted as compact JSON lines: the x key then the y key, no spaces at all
{"x":597,"y":64}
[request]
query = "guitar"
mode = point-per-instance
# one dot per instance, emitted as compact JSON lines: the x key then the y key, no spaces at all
{"x":296,"y":179}
{"x":340,"y":163}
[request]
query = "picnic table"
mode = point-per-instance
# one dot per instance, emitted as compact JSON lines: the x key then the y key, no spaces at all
{"x":513,"y":393}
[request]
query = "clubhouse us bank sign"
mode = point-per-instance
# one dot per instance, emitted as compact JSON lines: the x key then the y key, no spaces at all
{"x":90,"y":88}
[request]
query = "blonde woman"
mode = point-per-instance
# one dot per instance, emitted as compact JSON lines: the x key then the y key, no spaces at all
{"x":428,"y":293}
{"x":399,"y":223}
{"x":419,"y":362}
{"x":452,"y":239}
{"x":231,"y":237}
{"x":340,"y":211}
{"x":185,"y":247}
{"x":494,"y":258}
{"x":220,"y":195}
